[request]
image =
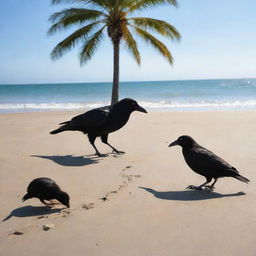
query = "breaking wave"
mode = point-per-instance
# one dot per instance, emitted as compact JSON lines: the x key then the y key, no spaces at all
{"x":153,"y":105}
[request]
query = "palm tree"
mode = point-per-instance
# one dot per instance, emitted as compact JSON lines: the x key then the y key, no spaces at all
{"x":94,"y":16}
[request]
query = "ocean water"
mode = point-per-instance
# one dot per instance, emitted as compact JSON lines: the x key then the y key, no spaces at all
{"x":155,"y":95}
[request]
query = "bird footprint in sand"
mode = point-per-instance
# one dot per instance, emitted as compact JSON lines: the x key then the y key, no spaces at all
{"x":88,"y":206}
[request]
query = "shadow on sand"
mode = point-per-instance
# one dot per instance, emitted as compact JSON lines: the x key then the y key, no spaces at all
{"x":189,"y":195}
{"x":70,"y":160}
{"x":29,"y":211}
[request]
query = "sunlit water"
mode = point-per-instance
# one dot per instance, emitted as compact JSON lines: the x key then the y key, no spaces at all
{"x":156,"y":95}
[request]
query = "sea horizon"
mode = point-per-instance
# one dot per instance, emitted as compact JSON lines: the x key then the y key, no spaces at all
{"x":165,"y":95}
{"x":131,"y":81}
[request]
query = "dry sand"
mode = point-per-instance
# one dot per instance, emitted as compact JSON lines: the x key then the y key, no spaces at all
{"x":147,"y":210}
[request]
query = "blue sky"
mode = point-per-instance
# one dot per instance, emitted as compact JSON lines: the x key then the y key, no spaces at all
{"x":218,"y":41}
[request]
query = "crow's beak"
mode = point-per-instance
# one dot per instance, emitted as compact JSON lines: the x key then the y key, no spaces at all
{"x":141,"y":109}
{"x":175,"y":143}
{"x":68,"y":205}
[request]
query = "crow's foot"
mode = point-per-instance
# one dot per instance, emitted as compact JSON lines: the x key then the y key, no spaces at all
{"x":194,"y":187}
{"x":101,"y":155}
{"x":118,"y":152}
{"x":210,"y":187}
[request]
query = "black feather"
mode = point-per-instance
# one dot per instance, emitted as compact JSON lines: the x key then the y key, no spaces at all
{"x":99,"y":122}
{"x":46,"y":189}
{"x":205,"y":162}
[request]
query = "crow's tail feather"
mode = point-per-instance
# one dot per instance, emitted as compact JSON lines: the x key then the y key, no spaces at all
{"x":61,"y":129}
{"x":235,"y":174}
{"x":241,"y":178}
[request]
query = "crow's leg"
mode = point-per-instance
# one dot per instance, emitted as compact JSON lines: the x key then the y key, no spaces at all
{"x":212,"y":186}
{"x":53,"y":202}
{"x":208,"y":180}
{"x":43,"y":202}
{"x":104,"y":139}
{"x":92,"y":139}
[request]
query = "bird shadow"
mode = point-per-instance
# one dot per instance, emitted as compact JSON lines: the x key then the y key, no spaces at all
{"x":69,"y":160}
{"x":189,"y":195}
{"x":29,"y":211}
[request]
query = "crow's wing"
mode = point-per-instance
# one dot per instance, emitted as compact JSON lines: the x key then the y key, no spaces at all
{"x":206,"y":162}
{"x":41,"y":186}
{"x":92,"y":118}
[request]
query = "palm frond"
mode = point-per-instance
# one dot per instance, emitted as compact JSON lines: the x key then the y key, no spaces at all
{"x":158,"y":45}
{"x":113,"y":15}
{"x":103,"y":4}
{"x":91,"y":46}
{"x":144,"y":4}
{"x":125,"y":4}
{"x":73,"y":12}
{"x":72,"y":40}
{"x":131,"y":45}
{"x":72,"y":16}
{"x":160,"y":26}
{"x":107,"y":4}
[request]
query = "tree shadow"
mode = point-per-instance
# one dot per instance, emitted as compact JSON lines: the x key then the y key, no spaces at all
{"x":29,"y":211}
{"x":189,"y":195}
{"x":69,"y":160}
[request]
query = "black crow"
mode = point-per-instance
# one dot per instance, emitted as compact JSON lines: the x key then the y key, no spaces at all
{"x":99,"y":122}
{"x":46,"y":189}
{"x":205,"y":162}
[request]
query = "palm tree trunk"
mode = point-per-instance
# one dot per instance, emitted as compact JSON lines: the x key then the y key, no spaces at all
{"x":115,"y":87}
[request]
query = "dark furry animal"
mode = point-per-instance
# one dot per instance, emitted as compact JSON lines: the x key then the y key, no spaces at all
{"x":205,"y":162}
{"x":46,"y":189}
{"x":100,"y":122}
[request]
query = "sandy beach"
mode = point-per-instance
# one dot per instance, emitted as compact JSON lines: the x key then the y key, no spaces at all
{"x":134,"y":204}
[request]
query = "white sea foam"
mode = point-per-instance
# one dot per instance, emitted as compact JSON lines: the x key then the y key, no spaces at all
{"x":50,"y":106}
{"x":168,"y":105}
{"x":200,"y":104}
